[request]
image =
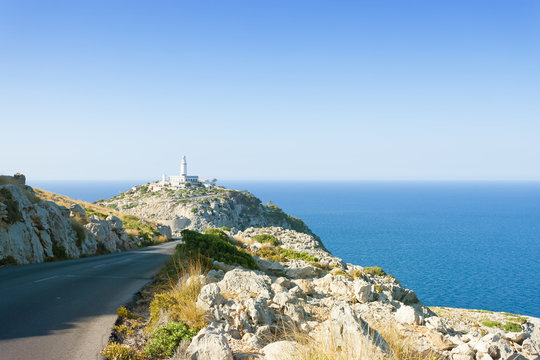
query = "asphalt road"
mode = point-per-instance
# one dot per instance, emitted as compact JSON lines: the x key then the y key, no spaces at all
{"x":65,"y":310}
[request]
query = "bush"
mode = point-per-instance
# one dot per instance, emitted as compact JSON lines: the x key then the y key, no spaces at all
{"x":13,"y":214}
{"x":266,"y":238}
{"x":225,"y":228}
{"x":115,"y":351}
{"x":123,"y":330}
{"x":124,"y":313}
{"x":512,"y":327}
{"x":300,"y":255}
{"x":491,"y":323}
{"x":374,"y":270}
{"x":59,"y":252}
{"x":216,"y":248}
{"x":79,"y":230}
{"x":217,"y":232}
{"x":8,"y":260}
{"x":165,"y":339}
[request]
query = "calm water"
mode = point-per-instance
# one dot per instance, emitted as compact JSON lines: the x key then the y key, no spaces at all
{"x":471,"y":245}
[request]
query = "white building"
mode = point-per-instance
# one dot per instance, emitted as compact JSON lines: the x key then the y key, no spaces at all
{"x":180,"y":180}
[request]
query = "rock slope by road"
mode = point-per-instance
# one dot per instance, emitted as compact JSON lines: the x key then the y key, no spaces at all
{"x":34,"y":229}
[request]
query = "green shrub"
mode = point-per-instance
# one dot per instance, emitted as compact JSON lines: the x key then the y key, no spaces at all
{"x":266,"y":238}
{"x":123,"y":330}
{"x":8,"y":260}
{"x":165,"y":339}
{"x":124,"y":313}
{"x":129,"y":206}
{"x":217,"y":232}
{"x":216,"y":248}
{"x":491,"y":323}
{"x":59,"y":252}
{"x":511,"y":327}
{"x":80,"y":230}
{"x":342,"y":273}
{"x":113,"y":206}
{"x":115,"y":351}
{"x":300,"y":255}
{"x":194,"y":210}
{"x":225,"y":228}
{"x":374,"y":270}
{"x":13,"y":214}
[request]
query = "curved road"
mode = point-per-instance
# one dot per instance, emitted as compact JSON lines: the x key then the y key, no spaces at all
{"x":65,"y":310}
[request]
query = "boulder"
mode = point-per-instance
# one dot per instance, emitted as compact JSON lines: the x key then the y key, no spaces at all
{"x":353,"y":334}
{"x":77,"y":210}
{"x":362,"y":291}
{"x":408,"y":315}
{"x":303,"y":272}
{"x":436,"y":323}
{"x":245,"y":281}
{"x":209,"y":346}
{"x":116,"y":223}
{"x":209,"y":296}
{"x":281,"y":350}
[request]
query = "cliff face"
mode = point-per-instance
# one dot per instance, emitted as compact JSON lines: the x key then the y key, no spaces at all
{"x":35,"y":230}
{"x":199,"y":209}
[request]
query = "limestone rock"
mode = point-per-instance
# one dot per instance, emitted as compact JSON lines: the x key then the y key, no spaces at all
{"x":238,"y":280}
{"x":77,"y":210}
{"x":346,"y":330}
{"x":209,"y":346}
{"x":408,"y":315}
{"x":436,"y":323}
{"x":209,"y":296}
{"x":281,"y":350}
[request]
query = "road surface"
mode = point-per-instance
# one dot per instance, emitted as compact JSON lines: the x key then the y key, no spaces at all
{"x":65,"y":310}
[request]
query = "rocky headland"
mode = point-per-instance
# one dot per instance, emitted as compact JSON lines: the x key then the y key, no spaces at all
{"x":272,"y":291}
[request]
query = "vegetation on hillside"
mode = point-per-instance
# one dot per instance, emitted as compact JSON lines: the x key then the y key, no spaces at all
{"x":215,"y":247}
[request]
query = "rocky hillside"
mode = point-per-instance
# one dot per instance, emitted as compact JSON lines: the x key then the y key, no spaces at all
{"x":200,"y":208}
{"x":37,"y":226}
{"x":298,"y":301}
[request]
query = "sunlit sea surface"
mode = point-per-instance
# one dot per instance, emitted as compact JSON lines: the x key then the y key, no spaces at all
{"x":469,"y":245}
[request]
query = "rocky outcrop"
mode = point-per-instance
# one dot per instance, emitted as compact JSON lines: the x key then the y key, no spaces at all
{"x":33,"y":230}
{"x":339,"y":307}
{"x":199,"y":209}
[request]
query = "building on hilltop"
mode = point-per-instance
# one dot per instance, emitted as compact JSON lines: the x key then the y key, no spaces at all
{"x":182,"y":180}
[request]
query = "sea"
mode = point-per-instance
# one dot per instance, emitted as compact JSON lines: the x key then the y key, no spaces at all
{"x":458,"y":244}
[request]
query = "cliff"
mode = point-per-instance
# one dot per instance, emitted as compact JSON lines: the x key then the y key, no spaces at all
{"x":37,"y":226}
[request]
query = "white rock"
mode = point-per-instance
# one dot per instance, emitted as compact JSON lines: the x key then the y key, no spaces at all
{"x":362,"y":291}
{"x":209,"y":296}
{"x":436,"y":323}
{"x":209,"y":346}
{"x":281,"y":350}
{"x":408,"y":315}
{"x":347,"y":331}
{"x":239,"y":280}
{"x":303,"y":272}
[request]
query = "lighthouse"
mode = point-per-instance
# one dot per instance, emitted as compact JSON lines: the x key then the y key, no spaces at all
{"x":183,"y":167}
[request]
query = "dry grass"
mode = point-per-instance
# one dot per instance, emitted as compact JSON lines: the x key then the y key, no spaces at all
{"x":178,"y":301}
{"x":402,"y":345}
{"x":322,"y":346}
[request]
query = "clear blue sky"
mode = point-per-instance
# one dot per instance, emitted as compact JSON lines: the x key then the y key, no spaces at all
{"x":352,"y":90}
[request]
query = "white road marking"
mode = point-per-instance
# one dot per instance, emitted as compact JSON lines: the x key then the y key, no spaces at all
{"x":45,"y":279}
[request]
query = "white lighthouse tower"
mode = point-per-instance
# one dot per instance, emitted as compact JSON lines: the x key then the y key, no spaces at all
{"x":182,"y":179}
{"x":183,"y":167}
